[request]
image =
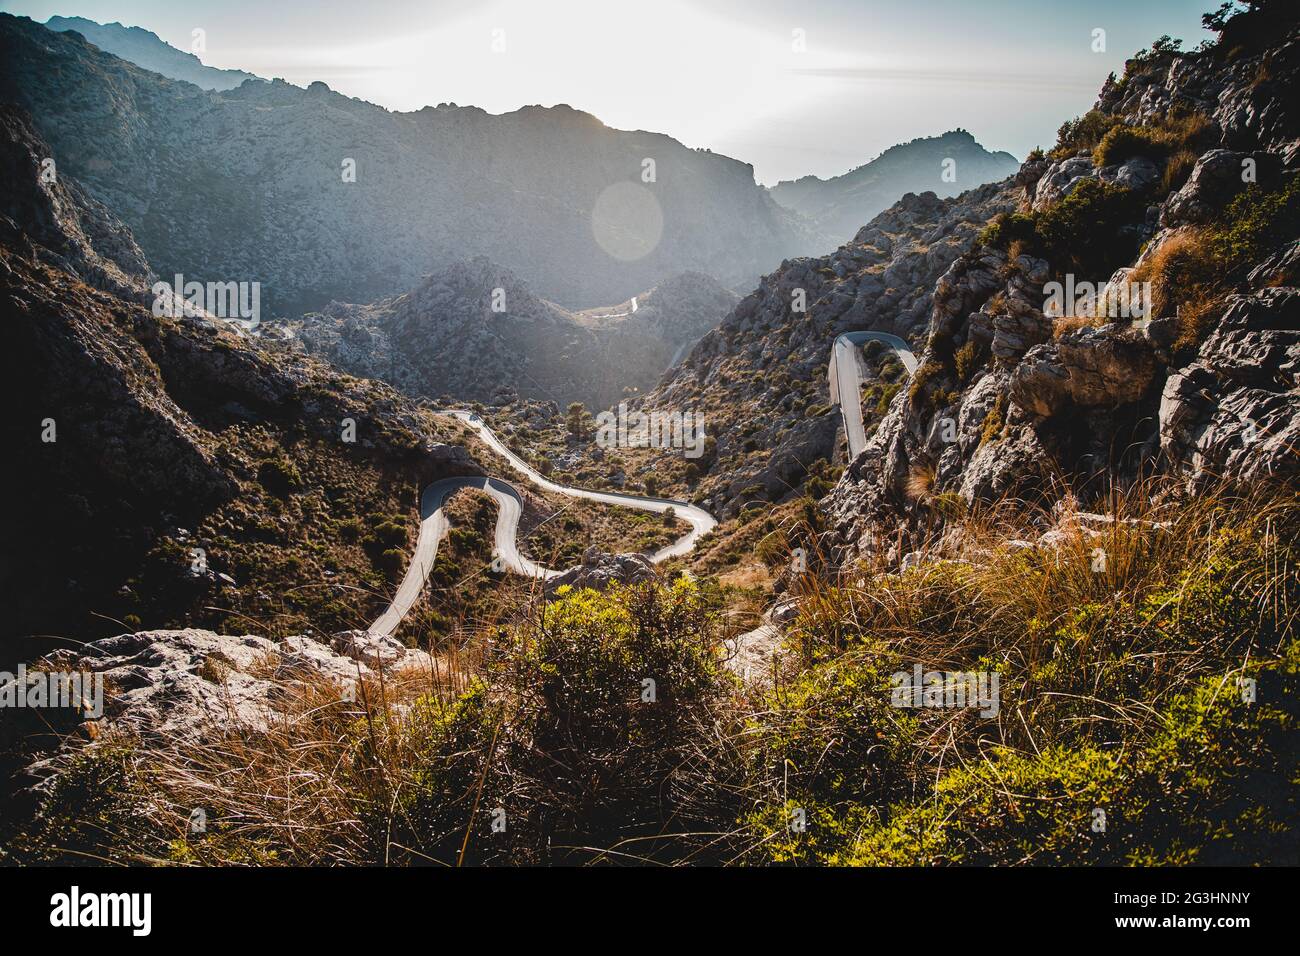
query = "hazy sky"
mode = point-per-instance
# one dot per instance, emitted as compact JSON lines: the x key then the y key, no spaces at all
{"x":722,"y":74}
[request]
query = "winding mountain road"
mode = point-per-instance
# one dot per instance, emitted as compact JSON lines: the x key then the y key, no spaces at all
{"x":700,"y":520}
{"x":845,"y":376}
{"x":434,"y":524}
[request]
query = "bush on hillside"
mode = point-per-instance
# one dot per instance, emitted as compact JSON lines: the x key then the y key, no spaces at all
{"x":1090,"y":232}
{"x":1192,"y":271}
{"x":593,"y":716}
{"x":279,"y":476}
{"x":1120,"y":690}
{"x":1082,"y":133}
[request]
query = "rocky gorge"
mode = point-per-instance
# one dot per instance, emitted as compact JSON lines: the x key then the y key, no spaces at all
{"x":209,"y":518}
{"x":1011,"y":400}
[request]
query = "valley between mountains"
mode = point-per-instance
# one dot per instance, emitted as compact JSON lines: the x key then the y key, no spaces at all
{"x":365,"y":569}
{"x":844,"y":381}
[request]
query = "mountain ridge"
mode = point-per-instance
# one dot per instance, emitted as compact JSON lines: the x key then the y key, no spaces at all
{"x":256,"y":175}
{"x":841,"y":204}
{"x":475,"y":332}
{"x":151,"y":52}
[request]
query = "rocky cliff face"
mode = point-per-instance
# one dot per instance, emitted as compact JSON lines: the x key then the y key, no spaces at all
{"x":474,"y":331}
{"x":1183,"y":177}
{"x":945,"y":165}
{"x":249,"y":185}
{"x":130,"y":426}
{"x":1181,"y":182}
{"x":65,"y":227}
{"x":760,"y":377}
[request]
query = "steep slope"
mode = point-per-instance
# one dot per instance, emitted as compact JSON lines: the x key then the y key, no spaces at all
{"x":249,"y":185}
{"x":1183,"y":177}
{"x":945,"y":165}
{"x":473,"y":331}
{"x":1016,"y":395}
{"x":147,"y":50}
{"x":759,"y":379}
{"x":69,"y":229}
{"x":173,"y":472}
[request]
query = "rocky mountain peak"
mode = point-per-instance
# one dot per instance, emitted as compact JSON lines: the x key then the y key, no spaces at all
{"x":546,"y":190}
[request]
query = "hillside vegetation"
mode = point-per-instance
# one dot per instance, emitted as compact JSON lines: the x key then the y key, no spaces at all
{"x":1076,"y":527}
{"x":1122,"y":691}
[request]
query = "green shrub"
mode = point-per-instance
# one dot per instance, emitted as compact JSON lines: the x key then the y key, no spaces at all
{"x":1124,"y":142}
{"x":430,"y":815}
{"x":1257,"y":222}
{"x":391,"y":561}
{"x":1127,"y":676}
{"x":1145,"y":60}
{"x":390,"y":533}
{"x":1181,"y":132}
{"x":1082,"y":133}
{"x":1186,"y":796}
{"x":566,"y":736}
{"x":1007,"y":228}
{"x":612,"y":693}
{"x":1089,"y":232}
{"x":838,"y":747}
{"x":91,"y":811}
{"x":886,"y":395}
{"x":279,"y":476}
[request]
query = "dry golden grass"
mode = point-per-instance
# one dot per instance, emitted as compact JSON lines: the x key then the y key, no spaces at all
{"x":1089,"y":648}
{"x":288,"y":792}
{"x":1177,"y":169}
{"x":981,"y":599}
{"x":1161,"y":268}
{"x":1181,"y":275}
{"x":748,"y":575}
{"x":1068,"y":323}
{"x":919,"y":482}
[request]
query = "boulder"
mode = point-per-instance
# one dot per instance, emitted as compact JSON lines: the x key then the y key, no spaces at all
{"x":1060,"y":179}
{"x":599,"y":570}
{"x":752,"y":656}
{"x":1085,"y":368}
{"x":186,"y":682}
{"x":1137,"y":173}
{"x":1235,"y":411}
{"x":1005,"y":466}
{"x":1215,"y":180}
